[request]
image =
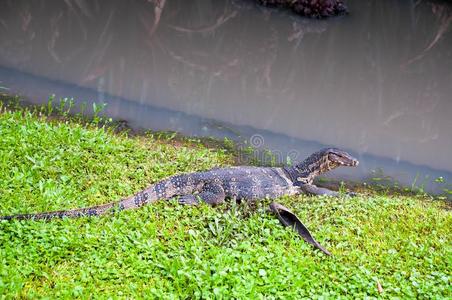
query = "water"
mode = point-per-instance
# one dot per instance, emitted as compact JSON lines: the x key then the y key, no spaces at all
{"x":377,"y":82}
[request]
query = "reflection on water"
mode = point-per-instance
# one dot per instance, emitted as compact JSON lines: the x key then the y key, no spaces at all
{"x":377,"y":82}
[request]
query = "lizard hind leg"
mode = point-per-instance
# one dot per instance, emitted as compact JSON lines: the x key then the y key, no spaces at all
{"x":212,"y":194}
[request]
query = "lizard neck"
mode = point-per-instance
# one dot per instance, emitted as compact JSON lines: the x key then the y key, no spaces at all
{"x":298,"y":176}
{"x":305,"y":171}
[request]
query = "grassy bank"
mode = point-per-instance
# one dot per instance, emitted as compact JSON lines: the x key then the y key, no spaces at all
{"x":171,"y":251}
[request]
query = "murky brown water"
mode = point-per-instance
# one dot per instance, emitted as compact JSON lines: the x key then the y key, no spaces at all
{"x":377,"y":82}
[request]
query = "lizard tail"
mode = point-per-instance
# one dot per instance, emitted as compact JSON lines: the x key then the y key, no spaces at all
{"x":136,"y":201}
{"x":73,"y":213}
{"x":163,"y":190}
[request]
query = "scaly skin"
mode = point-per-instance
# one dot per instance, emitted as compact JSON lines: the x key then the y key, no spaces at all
{"x":214,"y":186}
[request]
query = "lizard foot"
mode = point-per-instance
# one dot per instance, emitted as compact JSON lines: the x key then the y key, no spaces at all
{"x":188,"y":200}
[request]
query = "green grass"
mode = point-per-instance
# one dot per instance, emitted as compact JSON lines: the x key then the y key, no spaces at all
{"x":170,"y":251}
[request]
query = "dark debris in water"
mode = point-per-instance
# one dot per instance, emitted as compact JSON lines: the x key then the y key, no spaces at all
{"x":311,"y":8}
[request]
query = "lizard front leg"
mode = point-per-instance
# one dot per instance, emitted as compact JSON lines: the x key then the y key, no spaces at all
{"x":212,"y":194}
{"x":315,"y":190}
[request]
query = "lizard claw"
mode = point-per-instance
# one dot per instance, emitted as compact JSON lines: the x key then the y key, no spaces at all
{"x":188,"y":200}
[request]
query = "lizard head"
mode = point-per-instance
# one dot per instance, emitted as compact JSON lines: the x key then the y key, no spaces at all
{"x":323,"y":161}
{"x":334,"y":158}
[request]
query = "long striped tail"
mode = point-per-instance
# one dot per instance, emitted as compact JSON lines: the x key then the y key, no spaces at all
{"x":142,"y":198}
